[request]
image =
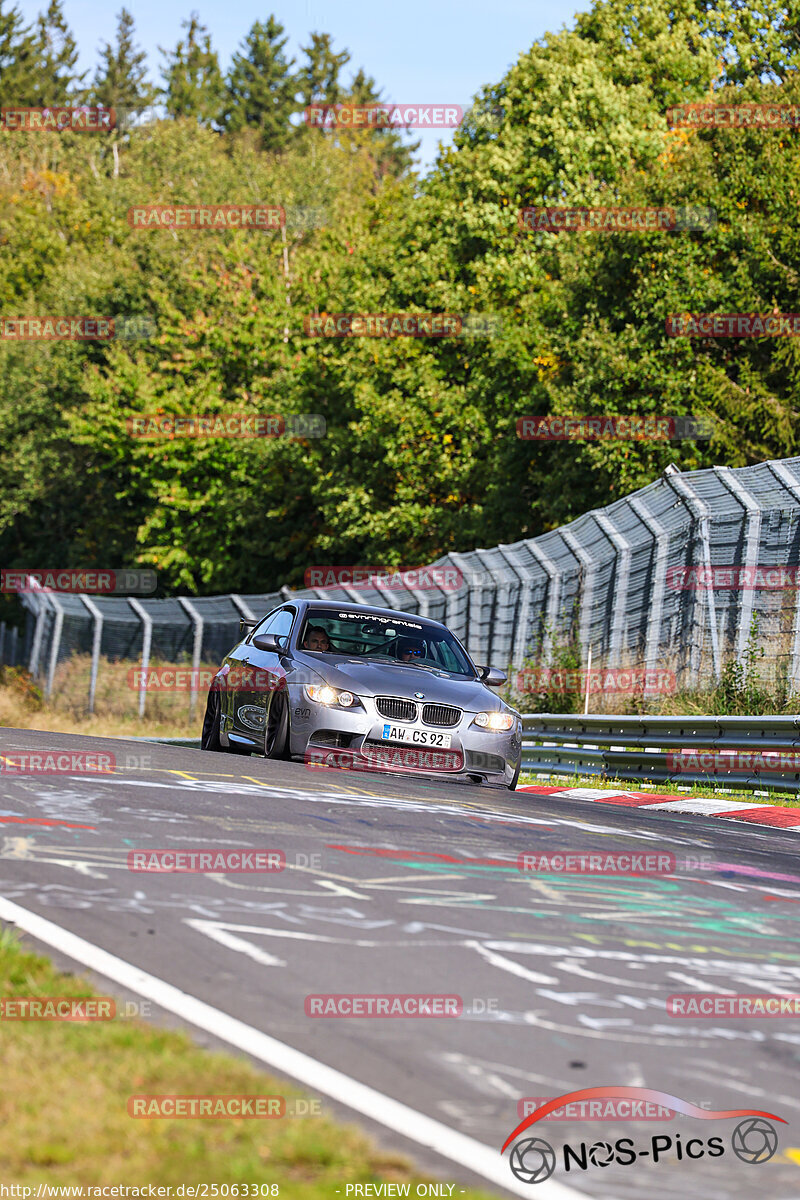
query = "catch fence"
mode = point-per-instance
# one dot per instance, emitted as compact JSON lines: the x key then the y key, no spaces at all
{"x":681,"y":575}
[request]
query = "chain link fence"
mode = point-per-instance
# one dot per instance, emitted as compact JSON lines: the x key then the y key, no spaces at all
{"x":681,"y":575}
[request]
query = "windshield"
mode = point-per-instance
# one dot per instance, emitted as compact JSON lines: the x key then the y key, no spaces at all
{"x":400,"y":640}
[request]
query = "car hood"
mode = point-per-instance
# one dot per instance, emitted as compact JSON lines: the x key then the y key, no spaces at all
{"x":386,"y":679}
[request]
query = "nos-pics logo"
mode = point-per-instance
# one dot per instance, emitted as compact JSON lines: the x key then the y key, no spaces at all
{"x":533,"y":1160}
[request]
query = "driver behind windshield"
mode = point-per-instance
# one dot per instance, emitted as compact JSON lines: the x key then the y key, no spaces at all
{"x":317,"y":639}
{"x":410,"y":650}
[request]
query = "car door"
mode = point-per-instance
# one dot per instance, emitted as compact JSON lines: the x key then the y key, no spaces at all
{"x":258,"y":672}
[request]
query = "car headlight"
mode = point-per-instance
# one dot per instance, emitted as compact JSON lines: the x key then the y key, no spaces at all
{"x":494,"y":721}
{"x":332,"y":697}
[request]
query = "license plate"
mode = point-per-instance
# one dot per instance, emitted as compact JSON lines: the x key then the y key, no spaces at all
{"x":414,"y":736}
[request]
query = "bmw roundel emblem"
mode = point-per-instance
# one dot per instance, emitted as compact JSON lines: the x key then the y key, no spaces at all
{"x":419,"y":695}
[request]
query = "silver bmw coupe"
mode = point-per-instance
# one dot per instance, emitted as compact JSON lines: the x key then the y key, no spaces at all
{"x":350,"y":685}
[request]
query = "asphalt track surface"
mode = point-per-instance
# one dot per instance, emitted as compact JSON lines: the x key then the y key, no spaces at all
{"x":564,"y":978}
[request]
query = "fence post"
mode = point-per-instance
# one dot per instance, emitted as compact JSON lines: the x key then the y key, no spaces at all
{"x":659,"y":577}
{"x":55,"y":644}
{"x":38,"y":633}
{"x":196,"y":650}
{"x":553,"y":596}
{"x":747,"y":594}
{"x":700,"y":511}
{"x":622,"y":574}
{"x":783,"y":474}
{"x":98,"y":633}
{"x":12,"y":649}
{"x":147,"y":640}
{"x":588,"y":572}
{"x":243,"y":608}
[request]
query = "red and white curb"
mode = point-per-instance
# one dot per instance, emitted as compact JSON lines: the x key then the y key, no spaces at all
{"x":731,"y":810}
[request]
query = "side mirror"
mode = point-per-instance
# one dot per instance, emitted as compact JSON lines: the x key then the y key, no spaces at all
{"x":492,"y":677}
{"x":245,"y":626}
{"x":268,"y":643}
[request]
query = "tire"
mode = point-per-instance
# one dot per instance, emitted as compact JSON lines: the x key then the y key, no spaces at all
{"x":512,"y":787}
{"x":209,"y":737}
{"x":276,"y":734}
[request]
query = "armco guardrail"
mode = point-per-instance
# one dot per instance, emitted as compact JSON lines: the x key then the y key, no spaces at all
{"x":736,"y":752}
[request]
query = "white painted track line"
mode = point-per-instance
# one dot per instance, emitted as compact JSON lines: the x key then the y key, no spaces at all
{"x":425,"y":1131}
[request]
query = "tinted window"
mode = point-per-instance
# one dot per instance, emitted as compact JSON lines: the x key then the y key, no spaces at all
{"x":278,"y":623}
{"x":401,"y":639}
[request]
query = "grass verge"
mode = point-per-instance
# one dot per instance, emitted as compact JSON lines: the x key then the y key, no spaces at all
{"x":64,"y":1120}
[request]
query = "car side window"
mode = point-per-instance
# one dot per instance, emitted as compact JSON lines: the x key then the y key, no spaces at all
{"x":282,"y":625}
{"x":278,"y":623}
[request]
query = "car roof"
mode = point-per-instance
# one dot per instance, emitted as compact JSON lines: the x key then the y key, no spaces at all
{"x":369,"y":610}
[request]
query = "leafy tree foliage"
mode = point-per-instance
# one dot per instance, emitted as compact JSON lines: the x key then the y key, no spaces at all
{"x":192,"y":75}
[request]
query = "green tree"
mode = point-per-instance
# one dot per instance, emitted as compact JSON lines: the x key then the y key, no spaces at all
{"x":261,"y":87}
{"x":194,"y":83}
{"x":57,"y":55}
{"x":121,"y":79}
{"x":318,"y":79}
{"x":391,"y":154}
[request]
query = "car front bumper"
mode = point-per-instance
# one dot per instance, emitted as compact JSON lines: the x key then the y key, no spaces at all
{"x":325,"y":735}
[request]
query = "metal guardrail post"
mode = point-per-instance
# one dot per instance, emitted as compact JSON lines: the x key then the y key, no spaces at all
{"x":753,"y":541}
{"x":621,"y":579}
{"x":588,"y":573}
{"x":661,"y":543}
{"x":96,"y":641}
{"x":38,"y":601}
{"x":147,"y":641}
{"x":55,"y":645}
{"x":699,"y":509}
{"x":243,"y":608}
{"x":553,"y":598}
{"x":524,"y":594}
{"x":792,"y":485}
{"x":196,"y":650}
